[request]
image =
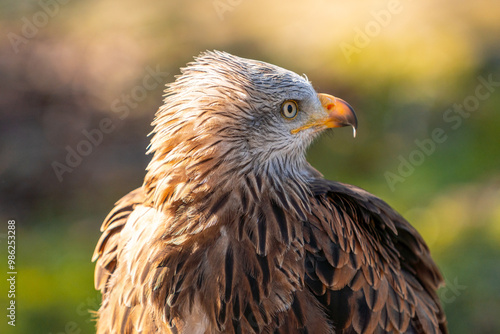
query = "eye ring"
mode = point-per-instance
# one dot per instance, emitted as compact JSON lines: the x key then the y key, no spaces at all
{"x":289,"y":109}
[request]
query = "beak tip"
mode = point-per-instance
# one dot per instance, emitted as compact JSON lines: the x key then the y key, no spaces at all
{"x":354,"y":121}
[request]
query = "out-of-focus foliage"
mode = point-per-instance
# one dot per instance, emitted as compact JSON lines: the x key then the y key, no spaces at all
{"x":405,"y":66}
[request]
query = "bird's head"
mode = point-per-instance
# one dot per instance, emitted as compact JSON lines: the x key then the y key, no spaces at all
{"x":229,"y":114}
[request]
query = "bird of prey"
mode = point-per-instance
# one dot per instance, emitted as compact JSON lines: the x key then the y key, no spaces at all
{"x":233,"y":231}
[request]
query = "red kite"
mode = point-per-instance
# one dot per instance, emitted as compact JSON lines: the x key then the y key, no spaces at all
{"x":233,"y":231}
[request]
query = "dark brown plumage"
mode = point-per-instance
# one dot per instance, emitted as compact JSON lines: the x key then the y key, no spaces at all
{"x":234,"y":232}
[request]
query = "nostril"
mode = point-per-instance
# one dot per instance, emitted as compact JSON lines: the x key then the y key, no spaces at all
{"x":330,"y":106}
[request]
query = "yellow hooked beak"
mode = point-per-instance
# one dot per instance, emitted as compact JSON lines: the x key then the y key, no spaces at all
{"x":337,"y":113}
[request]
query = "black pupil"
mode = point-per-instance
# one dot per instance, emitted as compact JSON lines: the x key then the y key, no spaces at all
{"x":290,"y":108}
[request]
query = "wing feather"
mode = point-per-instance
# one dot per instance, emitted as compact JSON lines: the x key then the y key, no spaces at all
{"x":369,"y":268}
{"x":107,"y":249}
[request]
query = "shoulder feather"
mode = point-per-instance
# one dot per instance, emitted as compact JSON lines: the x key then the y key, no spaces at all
{"x":368,"y":266}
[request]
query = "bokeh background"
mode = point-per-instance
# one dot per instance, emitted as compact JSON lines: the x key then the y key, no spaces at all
{"x":407,"y":67}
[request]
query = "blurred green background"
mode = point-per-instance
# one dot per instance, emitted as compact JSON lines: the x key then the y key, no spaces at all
{"x":409,"y":68}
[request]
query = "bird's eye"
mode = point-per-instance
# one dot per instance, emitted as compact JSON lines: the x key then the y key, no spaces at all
{"x":289,"y":109}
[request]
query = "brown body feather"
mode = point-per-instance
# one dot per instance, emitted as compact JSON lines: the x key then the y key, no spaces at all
{"x":203,"y":247}
{"x":266,"y":271}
